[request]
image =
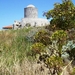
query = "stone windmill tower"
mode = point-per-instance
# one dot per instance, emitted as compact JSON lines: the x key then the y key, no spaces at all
{"x":30,"y":18}
{"x":30,"y":12}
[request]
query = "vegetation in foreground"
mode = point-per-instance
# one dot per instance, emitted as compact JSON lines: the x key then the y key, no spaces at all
{"x":23,"y":52}
{"x":41,"y":50}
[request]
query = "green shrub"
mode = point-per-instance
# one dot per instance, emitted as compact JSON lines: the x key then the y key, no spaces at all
{"x":60,"y":36}
{"x":37,"y":48}
{"x":73,"y":72}
{"x":43,"y":37}
{"x":55,"y":63}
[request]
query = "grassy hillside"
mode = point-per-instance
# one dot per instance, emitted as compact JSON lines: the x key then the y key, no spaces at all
{"x":16,"y":57}
{"x":15,"y":51}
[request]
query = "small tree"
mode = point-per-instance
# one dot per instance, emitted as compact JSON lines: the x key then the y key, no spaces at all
{"x":63,"y":15}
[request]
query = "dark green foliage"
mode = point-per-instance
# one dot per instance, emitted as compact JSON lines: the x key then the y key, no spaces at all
{"x":71,"y":53}
{"x":63,"y":15}
{"x":43,"y":57}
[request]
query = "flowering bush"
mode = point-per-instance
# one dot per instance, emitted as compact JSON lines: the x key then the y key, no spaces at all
{"x":55,"y":63}
{"x":43,"y":36}
{"x":60,"y":36}
{"x":37,"y":48}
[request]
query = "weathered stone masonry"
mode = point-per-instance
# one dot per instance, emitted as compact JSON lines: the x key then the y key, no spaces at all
{"x":30,"y":18}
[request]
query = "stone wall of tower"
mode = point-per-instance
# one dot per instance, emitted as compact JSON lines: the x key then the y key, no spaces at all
{"x":34,"y":22}
{"x":30,"y":12}
{"x":30,"y":19}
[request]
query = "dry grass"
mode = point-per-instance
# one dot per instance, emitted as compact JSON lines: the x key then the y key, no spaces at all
{"x":13,"y":49}
{"x":26,"y":68}
{"x":14,"y":60}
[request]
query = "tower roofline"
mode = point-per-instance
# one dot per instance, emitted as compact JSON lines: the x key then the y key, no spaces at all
{"x":31,"y":6}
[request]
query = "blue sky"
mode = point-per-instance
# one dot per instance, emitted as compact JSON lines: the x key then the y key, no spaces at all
{"x":11,"y":10}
